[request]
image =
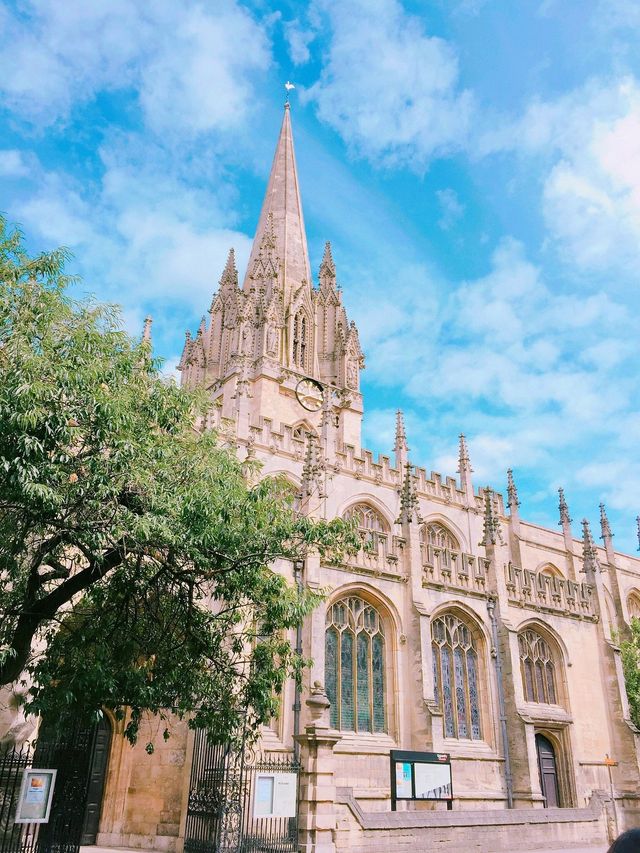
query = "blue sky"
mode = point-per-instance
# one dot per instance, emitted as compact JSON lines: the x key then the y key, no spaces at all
{"x":475,"y":163}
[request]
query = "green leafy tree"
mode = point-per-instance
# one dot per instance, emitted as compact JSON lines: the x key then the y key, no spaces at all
{"x":136,"y":560}
{"x":630,"y":649}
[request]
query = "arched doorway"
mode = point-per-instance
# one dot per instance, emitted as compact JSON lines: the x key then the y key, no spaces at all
{"x":548,"y":769}
{"x":97,"y":777}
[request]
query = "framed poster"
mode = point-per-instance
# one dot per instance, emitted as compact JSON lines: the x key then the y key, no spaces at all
{"x":433,"y":781}
{"x":420,"y":776}
{"x":36,"y":793}
{"x":275,"y":794}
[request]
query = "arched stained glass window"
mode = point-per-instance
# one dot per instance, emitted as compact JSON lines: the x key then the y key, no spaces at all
{"x":456,"y":678}
{"x":354,"y":666}
{"x":538,"y":669}
{"x":300,"y":332}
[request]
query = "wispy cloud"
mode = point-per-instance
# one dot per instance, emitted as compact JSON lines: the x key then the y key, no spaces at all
{"x":388,"y":87}
{"x":181,"y":61}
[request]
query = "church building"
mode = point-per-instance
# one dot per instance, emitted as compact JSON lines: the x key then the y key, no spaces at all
{"x":459,"y":629}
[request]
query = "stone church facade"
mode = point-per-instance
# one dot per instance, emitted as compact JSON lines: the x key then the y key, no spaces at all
{"x":458,"y":628}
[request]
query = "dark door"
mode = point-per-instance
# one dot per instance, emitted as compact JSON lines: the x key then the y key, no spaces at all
{"x":97,"y":776}
{"x":548,"y":771}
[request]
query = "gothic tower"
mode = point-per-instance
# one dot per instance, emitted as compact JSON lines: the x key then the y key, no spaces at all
{"x":263,"y":338}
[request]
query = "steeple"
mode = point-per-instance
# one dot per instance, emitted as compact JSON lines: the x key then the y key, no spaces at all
{"x":282,"y":202}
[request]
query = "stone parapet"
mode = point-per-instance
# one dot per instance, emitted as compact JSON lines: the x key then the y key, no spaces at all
{"x":464,"y":831}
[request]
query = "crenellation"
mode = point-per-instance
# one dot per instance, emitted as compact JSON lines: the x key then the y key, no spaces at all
{"x":469,"y":605}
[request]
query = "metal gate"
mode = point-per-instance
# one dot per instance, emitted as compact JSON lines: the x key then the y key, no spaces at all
{"x":220,"y":814}
{"x":70,"y":755}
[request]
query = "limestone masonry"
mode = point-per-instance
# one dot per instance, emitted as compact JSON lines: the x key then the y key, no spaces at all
{"x":458,"y":628}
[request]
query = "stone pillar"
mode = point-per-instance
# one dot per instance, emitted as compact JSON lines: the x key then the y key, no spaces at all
{"x":317,"y":815}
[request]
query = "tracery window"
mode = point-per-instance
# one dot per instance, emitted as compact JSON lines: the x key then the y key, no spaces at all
{"x":370,"y":524}
{"x":300,"y":333}
{"x":633,"y":606}
{"x":438,"y":536}
{"x":538,"y":669}
{"x":456,"y":676}
{"x":354,"y":666}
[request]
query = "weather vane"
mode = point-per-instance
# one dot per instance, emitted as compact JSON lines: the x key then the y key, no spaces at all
{"x":288,"y":86}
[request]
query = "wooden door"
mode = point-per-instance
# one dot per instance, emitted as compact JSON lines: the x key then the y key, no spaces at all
{"x":548,"y":771}
{"x":97,"y":776}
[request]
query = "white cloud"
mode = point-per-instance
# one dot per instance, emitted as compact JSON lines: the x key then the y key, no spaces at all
{"x":587,"y":144}
{"x":387,"y":87}
{"x":532,"y":375}
{"x":12,"y":164}
{"x":144,"y":236}
{"x":298,"y":41}
{"x":192,"y":69}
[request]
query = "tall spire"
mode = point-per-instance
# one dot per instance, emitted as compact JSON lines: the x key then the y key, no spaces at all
{"x":146,"y":332}
{"x":327,"y":267}
{"x":590,"y":559}
{"x":605,"y":527}
{"x":512,"y":492}
{"x":638,"y":525}
{"x":282,"y":201}
{"x":409,"y":506}
{"x":564,"y":509}
{"x":465,"y":470}
{"x":491,"y":533}
{"x":229,"y":278}
{"x":401,"y":448}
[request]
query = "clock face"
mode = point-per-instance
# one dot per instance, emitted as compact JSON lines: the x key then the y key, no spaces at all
{"x":309,"y":394}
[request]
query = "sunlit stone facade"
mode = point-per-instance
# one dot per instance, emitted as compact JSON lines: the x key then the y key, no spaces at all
{"x":459,"y":627}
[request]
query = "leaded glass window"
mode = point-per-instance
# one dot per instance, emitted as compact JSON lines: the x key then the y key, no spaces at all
{"x":371,"y":525}
{"x":437,"y":536}
{"x":354,"y":666}
{"x":538,"y":669}
{"x":455,"y":677}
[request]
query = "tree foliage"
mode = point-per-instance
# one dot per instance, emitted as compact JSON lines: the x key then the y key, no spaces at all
{"x":630,"y":649}
{"x":136,"y":561}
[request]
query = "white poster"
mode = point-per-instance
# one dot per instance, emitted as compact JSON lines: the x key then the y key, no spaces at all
{"x":36,"y":794}
{"x":275,"y":795}
{"x":433,"y":781}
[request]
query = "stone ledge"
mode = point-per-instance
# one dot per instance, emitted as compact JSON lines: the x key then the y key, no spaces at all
{"x":466,"y":817}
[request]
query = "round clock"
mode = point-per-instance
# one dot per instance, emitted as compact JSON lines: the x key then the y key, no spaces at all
{"x":310,"y":394}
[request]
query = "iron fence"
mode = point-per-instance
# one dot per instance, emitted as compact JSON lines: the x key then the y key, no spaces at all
{"x":221,"y":814}
{"x":70,"y":756}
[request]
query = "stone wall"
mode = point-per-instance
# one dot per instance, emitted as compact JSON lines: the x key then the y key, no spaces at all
{"x":467,"y":831}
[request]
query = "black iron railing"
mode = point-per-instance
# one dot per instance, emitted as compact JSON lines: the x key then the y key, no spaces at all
{"x":221,"y":816}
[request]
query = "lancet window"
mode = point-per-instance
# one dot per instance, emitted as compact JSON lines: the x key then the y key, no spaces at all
{"x":300,"y":340}
{"x":456,"y":677}
{"x":371,"y":525}
{"x":355,"y":666}
{"x":538,"y":669}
